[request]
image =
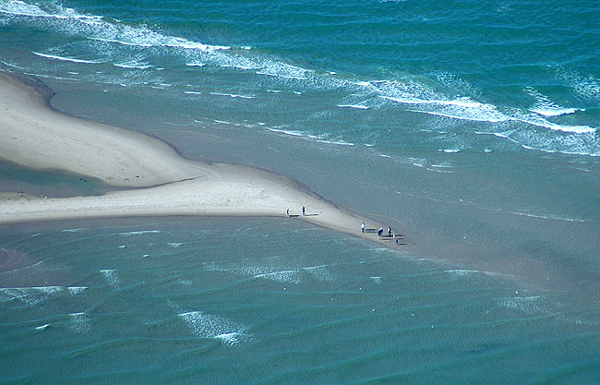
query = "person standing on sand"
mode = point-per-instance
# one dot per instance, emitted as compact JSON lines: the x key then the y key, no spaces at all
{"x":362,"y":227}
{"x":303,"y":210}
{"x":287,"y":212}
{"x":380,"y":232}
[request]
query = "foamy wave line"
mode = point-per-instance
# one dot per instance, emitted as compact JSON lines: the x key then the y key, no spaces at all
{"x":545,"y":107}
{"x":287,"y":132}
{"x":283,"y":70}
{"x":553,"y":112}
{"x":475,"y":111}
{"x":336,"y":142}
{"x":233,"y":95}
{"x":529,"y":305}
{"x":465,"y":109}
{"x":290,"y":276}
{"x":355,"y":106}
{"x":557,"y":127}
{"x":36,"y":294}
{"x":20,"y":8}
{"x":317,"y":138}
{"x":79,"y":230}
{"x":133,"y":65}
{"x":111,"y":277}
{"x":211,"y":326}
{"x":64,"y":58}
{"x":142,"y":232}
{"x":158,"y":40}
{"x":80,"y":322}
{"x":74,"y":23}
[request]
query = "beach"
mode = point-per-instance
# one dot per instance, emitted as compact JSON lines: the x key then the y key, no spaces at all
{"x":183,"y":186}
{"x":159,"y":181}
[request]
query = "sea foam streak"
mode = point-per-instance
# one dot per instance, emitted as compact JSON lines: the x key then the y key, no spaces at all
{"x":64,"y":58}
{"x":211,"y":326}
{"x":97,"y":28}
{"x":111,"y":277}
{"x":142,"y":232}
{"x":36,"y":294}
{"x":80,"y":322}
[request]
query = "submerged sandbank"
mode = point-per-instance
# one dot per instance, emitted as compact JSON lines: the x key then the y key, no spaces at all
{"x":162,"y":182}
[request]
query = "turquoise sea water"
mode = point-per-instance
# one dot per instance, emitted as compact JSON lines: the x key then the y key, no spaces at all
{"x":267,"y":301}
{"x":472,"y":127}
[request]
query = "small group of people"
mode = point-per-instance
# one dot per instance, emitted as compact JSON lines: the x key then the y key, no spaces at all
{"x":390,"y":233}
{"x":287,"y":212}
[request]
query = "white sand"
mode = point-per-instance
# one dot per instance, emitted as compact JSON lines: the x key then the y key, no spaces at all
{"x":35,"y":136}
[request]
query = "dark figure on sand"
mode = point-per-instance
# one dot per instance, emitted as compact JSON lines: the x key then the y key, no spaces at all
{"x":303,"y":210}
{"x":380,"y":232}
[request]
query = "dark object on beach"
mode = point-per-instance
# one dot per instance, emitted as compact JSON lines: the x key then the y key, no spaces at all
{"x":362,"y":227}
{"x":287,"y":212}
{"x":389,"y":231}
{"x":303,"y":210}
{"x":380,"y":232}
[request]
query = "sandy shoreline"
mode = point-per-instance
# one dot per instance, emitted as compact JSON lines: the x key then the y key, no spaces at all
{"x":162,"y":182}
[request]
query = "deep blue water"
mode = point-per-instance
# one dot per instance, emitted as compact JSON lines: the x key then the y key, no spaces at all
{"x":470,"y":126}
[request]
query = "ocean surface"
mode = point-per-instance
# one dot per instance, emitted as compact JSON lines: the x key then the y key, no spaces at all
{"x":471,"y":127}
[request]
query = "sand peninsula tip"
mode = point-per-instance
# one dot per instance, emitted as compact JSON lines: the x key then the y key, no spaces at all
{"x":158,"y":181}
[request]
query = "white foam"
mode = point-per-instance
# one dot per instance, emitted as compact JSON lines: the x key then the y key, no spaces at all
{"x":64,"y":58}
{"x":551,"y":112}
{"x":111,"y":277}
{"x":290,"y":276}
{"x":282,"y":70}
{"x":20,"y":8}
{"x":230,"y":338}
{"x":557,"y":127}
{"x":287,"y":132}
{"x":174,"y":244}
{"x":336,"y":142}
{"x":528,"y":305}
{"x":377,"y":280}
{"x":29,"y":295}
{"x":133,"y":64}
{"x":42,"y":327}
{"x":233,"y":95}
{"x":133,"y":233}
{"x":75,"y":290}
{"x":74,"y":230}
{"x":356,"y":106}
{"x":211,"y":326}
{"x":80,"y":322}
{"x":97,"y":28}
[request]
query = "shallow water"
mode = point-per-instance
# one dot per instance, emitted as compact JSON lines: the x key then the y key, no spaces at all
{"x":256,"y":301}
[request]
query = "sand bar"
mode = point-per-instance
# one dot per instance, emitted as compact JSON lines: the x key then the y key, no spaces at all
{"x":162,"y":182}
